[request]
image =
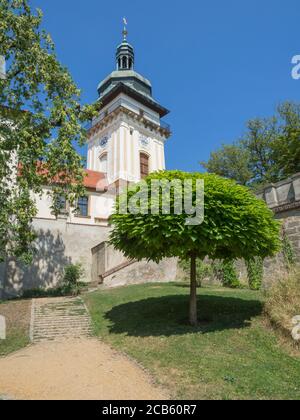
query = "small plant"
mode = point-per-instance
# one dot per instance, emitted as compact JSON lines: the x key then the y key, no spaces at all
{"x":71,"y":281}
{"x":255,"y":270}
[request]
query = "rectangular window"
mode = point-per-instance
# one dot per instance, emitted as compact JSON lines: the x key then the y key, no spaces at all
{"x":83,"y":207}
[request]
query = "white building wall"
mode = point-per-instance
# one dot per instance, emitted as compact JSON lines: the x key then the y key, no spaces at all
{"x":100,"y":208}
{"x":126,"y":139}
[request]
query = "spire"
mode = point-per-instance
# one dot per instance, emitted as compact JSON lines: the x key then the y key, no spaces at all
{"x":125,"y":52}
{"x":125,"y":32}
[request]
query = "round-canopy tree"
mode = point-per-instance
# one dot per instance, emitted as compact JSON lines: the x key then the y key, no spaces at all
{"x":236,"y":224}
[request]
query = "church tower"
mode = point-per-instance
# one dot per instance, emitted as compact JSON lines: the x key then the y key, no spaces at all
{"x":127,"y":139}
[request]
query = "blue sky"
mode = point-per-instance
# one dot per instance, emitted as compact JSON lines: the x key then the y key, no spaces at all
{"x":214,"y":63}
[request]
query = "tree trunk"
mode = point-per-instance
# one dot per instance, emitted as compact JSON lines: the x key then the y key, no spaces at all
{"x":193,"y":296}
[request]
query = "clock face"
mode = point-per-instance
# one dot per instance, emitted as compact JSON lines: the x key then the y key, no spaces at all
{"x":104,"y":141}
{"x":144,"y":141}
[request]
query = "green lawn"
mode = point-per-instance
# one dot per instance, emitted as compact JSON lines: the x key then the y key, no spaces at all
{"x":17,"y":314}
{"x":231,"y":355}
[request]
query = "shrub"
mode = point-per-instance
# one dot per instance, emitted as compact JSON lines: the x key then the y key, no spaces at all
{"x":42,"y":293}
{"x":283,"y":302}
{"x":229,"y":275}
{"x":71,"y":280}
{"x":255,"y":271}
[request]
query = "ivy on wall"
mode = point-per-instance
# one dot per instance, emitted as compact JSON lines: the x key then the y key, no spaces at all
{"x":288,"y":252}
{"x":229,"y":274}
{"x":255,"y":271}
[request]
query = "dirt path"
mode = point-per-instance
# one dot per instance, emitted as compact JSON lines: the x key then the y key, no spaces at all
{"x":71,"y":370}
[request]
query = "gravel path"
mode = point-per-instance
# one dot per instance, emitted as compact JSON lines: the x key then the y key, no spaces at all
{"x":74,"y":369}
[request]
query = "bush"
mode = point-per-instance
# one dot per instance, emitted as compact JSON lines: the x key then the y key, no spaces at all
{"x":223,"y":271}
{"x":229,"y":275}
{"x":283,"y":302}
{"x":255,"y":270}
{"x":71,"y":280}
{"x":42,"y":293}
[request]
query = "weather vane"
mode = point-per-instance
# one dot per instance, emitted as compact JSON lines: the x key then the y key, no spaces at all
{"x":125,"y":32}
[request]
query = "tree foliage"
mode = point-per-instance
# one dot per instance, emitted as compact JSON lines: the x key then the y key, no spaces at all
{"x":268,"y":152}
{"x":40,"y":121}
{"x":236,"y":225}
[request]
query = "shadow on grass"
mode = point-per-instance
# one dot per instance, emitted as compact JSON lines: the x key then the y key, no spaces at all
{"x":168,"y":315}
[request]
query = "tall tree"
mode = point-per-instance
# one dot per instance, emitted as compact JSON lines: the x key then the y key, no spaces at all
{"x":259,"y":143}
{"x":287,"y":145}
{"x":230,"y":161}
{"x":40,"y":121}
{"x":236,"y":223}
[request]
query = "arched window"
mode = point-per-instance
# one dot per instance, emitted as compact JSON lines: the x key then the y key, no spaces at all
{"x":144,"y":160}
{"x":119,"y":63}
{"x":124,"y":63}
{"x":103,"y":163}
{"x":130,"y":63}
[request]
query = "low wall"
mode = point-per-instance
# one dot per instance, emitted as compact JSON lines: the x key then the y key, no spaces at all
{"x":283,"y":198}
{"x":58,"y":244}
{"x":112,"y":269}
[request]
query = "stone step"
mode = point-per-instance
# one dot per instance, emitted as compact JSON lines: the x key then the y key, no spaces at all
{"x":53,"y":329}
{"x":63,"y":318}
{"x":61,"y":324}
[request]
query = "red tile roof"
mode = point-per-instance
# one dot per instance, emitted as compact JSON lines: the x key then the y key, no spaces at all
{"x":94,"y":180}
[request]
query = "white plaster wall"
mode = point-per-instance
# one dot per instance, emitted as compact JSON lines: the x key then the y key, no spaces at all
{"x":44,"y":203}
{"x":100,"y":208}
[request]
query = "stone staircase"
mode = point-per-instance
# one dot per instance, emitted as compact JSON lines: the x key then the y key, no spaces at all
{"x":59,"y":318}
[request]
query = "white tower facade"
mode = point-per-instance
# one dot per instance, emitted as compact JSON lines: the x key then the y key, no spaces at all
{"x":127,"y":139}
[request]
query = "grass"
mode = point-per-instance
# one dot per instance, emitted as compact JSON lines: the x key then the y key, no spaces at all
{"x":231,"y":355}
{"x":17,"y":314}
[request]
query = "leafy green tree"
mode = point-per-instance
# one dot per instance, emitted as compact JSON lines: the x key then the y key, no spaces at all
{"x":236,"y":225}
{"x":259,"y":142}
{"x":287,"y":145}
{"x":41,"y":120}
{"x":230,"y":161}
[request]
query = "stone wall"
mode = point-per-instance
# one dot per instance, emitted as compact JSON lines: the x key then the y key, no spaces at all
{"x":283,"y":199}
{"x":111,"y":269}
